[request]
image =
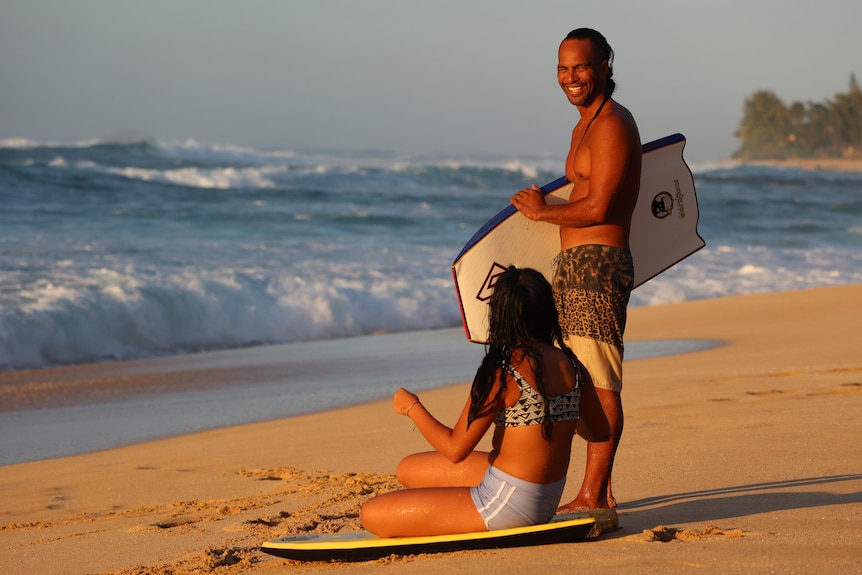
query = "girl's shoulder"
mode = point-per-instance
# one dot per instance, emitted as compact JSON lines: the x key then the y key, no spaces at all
{"x":555,"y":354}
{"x":561,"y":367}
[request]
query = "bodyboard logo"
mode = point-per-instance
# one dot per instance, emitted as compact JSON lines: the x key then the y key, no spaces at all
{"x":490,"y":281}
{"x":662,"y":205}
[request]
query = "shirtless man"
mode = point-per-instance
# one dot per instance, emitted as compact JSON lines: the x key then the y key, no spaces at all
{"x":594,"y":274}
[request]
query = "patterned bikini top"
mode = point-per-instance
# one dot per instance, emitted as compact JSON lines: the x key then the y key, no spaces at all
{"x":530,"y":408}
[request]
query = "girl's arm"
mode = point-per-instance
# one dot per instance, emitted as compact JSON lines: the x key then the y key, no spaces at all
{"x":454,"y":444}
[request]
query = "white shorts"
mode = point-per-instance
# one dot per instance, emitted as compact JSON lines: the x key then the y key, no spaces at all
{"x":504,"y":501}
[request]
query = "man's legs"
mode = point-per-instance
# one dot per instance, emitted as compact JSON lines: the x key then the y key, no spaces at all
{"x":596,"y":489}
{"x":592,"y":284}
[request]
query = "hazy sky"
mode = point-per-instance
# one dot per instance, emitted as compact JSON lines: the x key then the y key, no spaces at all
{"x":464,"y":76}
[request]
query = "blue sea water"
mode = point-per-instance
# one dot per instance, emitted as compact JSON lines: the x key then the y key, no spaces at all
{"x":112,"y":250}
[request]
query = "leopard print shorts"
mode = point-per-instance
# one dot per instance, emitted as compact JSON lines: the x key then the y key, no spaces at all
{"x":592,"y":284}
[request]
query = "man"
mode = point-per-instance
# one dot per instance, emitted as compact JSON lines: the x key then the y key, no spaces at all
{"x":594,"y":274}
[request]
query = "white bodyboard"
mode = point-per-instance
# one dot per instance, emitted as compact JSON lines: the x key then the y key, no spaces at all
{"x":663,"y":232}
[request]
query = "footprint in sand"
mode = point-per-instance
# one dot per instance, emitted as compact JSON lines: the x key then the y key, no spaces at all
{"x":664,"y":534}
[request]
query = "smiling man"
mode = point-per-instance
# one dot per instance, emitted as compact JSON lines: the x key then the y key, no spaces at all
{"x":594,"y":274}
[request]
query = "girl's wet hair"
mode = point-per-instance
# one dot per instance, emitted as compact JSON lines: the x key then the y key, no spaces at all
{"x":522,"y":313}
{"x":521,"y":309}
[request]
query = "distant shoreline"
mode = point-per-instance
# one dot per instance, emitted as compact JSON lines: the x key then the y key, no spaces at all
{"x":813,"y":164}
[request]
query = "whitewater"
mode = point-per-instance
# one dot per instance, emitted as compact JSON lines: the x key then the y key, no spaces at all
{"x":122,"y":250}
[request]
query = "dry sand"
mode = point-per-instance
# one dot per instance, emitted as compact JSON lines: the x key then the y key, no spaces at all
{"x":743,"y":458}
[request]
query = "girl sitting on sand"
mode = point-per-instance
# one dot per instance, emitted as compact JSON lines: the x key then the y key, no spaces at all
{"x":531,"y":391}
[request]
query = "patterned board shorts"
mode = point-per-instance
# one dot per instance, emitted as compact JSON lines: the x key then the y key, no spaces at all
{"x":592,"y":285}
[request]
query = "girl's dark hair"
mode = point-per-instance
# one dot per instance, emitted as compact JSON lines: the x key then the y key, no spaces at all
{"x":521,"y":313}
{"x":602,"y":49}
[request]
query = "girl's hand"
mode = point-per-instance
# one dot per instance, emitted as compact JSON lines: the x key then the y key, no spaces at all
{"x":403,"y":400}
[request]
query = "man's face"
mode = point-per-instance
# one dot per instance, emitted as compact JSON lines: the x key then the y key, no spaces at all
{"x":580,"y":74}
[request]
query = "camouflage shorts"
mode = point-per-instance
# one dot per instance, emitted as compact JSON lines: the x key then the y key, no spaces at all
{"x":592,"y":284}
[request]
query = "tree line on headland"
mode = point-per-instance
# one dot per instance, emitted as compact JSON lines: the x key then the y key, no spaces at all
{"x":771,"y":130}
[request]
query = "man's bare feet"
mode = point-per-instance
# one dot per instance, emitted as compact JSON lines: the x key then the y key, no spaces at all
{"x":572,"y":507}
{"x":612,"y":501}
{"x":578,"y":505}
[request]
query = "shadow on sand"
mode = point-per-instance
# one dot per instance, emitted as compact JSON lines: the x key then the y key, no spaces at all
{"x":711,"y":505}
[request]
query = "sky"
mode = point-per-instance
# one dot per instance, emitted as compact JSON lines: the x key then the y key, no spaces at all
{"x":439,"y":76}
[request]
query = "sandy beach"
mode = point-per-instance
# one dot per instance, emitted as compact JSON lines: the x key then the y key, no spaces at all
{"x":743,"y":458}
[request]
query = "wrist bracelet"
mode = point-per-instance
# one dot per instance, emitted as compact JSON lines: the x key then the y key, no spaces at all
{"x":407,"y":413}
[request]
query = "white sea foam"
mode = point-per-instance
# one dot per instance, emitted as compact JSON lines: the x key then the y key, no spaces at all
{"x":221,"y":178}
{"x":107,"y":314}
{"x":27,"y":143}
{"x":193,"y":149}
{"x":712,"y":166}
{"x":104,"y":313}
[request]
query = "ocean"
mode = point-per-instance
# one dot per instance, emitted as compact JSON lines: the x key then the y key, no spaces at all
{"x":133,"y":250}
